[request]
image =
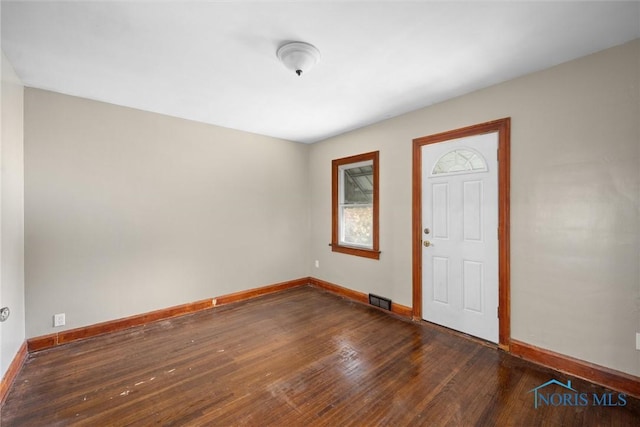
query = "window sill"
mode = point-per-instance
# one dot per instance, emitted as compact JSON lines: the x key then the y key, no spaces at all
{"x":351,"y":250}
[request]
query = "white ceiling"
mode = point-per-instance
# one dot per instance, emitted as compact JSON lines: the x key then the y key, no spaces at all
{"x":215,"y":62}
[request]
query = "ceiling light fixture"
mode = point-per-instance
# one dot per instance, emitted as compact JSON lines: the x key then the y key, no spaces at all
{"x":298,"y":56}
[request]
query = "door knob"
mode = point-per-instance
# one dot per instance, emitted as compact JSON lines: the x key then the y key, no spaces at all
{"x":426,"y":243}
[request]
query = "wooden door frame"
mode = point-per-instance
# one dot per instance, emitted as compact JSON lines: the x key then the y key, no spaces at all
{"x":503,"y":127}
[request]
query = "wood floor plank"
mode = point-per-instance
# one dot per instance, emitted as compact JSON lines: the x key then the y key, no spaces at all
{"x":300,"y":357}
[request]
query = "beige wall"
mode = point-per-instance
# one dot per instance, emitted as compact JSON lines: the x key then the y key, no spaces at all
{"x":12,"y":331}
{"x":129,"y":211}
{"x":575,"y":200}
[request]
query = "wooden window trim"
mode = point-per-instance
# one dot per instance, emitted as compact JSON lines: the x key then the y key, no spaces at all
{"x":373,"y":253}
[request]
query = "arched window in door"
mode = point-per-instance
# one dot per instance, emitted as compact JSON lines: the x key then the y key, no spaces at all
{"x":460,"y":160}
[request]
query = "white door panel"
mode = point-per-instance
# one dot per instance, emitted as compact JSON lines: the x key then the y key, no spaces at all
{"x":472,"y":211}
{"x":460,"y":212}
{"x":472,"y":285}
{"x":441,"y":280}
{"x":440,"y":209}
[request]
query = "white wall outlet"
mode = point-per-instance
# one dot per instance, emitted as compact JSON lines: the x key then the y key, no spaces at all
{"x":637,"y":340}
{"x":58,"y":319}
{"x":317,"y":264}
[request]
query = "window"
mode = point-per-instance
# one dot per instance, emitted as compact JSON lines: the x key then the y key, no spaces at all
{"x":355,"y":205}
{"x":459,"y":161}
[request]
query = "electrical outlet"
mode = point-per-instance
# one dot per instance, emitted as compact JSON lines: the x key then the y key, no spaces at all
{"x":317,"y":264}
{"x":637,"y":340}
{"x":58,"y":320}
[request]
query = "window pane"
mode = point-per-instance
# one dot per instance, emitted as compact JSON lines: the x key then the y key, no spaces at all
{"x":358,"y":185}
{"x":460,"y":160}
{"x":357,"y":225}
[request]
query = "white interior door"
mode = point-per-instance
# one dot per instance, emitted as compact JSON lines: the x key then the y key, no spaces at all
{"x":460,"y":235}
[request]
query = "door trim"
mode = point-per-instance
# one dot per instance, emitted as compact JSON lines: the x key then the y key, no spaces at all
{"x":503,"y":127}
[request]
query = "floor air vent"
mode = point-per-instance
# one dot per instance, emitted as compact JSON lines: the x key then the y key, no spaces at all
{"x":380,"y":302}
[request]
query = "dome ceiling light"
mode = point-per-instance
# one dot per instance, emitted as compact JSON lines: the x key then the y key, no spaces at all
{"x":298,"y":56}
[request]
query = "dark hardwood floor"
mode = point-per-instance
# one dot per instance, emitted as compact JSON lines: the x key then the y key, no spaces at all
{"x":302,"y":357}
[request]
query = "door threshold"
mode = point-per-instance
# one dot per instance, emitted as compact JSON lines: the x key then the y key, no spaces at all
{"x":460,"y":334}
